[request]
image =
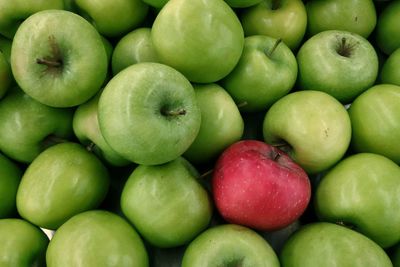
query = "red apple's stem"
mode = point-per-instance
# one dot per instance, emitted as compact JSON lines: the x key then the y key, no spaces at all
{"x":269,"y":53}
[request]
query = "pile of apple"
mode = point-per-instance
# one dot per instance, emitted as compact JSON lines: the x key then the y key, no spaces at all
{"x":195,"y":133}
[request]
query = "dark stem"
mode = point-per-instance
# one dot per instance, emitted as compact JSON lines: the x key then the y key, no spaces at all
{"x":91,"y":147}
{"x":54,"y":61}
{"x":345,"y":49}
{"x":269,"y":53}
{"x":48,"y":62}
{"x":242,"y":104}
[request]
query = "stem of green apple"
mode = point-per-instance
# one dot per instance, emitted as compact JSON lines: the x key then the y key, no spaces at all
{"x":269,"y":53}
{"x":177,"y":112}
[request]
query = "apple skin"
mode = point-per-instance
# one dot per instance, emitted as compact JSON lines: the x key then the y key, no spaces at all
{"x":286,"y":21}
{"x":62,"y":181}
{"x":96,"y":238}
{"x":361,"y":190}
{"x":148,"y":113}
{"x":374,"y":116}
{"x":22,"y":244}
{"x":266,"y":71}
{"x":387,"y":32}
{"x":48,"y":58}
{"x":166,"y":203}
{"x":133,"y":48}
{"x":10,"y":177}
{"x":156,"y":3}
{"x":27,"y":127}
{"x":330,"y":245}
{"x":242,"y":3}
{"x":340,"y":63}
{"x":259,"y":186}
{"x":357,"y":16}
{"x":202,"y":39}
{"x":221,"y":124}
{"x":311,"y":126}
{"x":390,"y":71}
{"x":229,"y":245}
{"x":103,"y":14}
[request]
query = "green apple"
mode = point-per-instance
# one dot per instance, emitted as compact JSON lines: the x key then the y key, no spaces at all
{"x":27,"y":127}
{"x":12,"y":13}
{"x":96,"y":238}
{"x":357,"y":16}
{"x":340,"y":63}
{"x":58,"y":58}
{"x":229,"y":245}
{"x":280,"y":19}
{"x":203,"y":39}
{"x":166,"y":203}
{"x":221,"y":124}
{"x":22,"y":244}
{"x":311,"y":126}
{"x":330,"y":245}
{"x":242,"y":3}
{"x":362,"y":190}
{"x":5,"y":75}
{"x":156,"y":3}
{"x":148,"y":113}
{"x":62,"y":181}
{"x":387,"y":31}
{"x":86,"y":128}
{"x":10,"y":176}
{"x":113,"y":18}
{"x":390,"y":71}
{"x":133,"y":48}
{"x":374,"y":118}
{"x":266,"y":71}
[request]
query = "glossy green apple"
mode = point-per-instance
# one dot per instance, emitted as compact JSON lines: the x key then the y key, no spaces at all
{"x":280,"y":19}
{"x":10,"y":176}
{"x":86,"y":128}
{"x":22,"y":244}
{"x":266,"y":71}
{"x":390,"y":72}
{"x":221,"y":124}
{"x":362,"y":190}
{"x":113,"y":18}
{"x":340,"y":63}
{"x":50,"y":63}
{"x":27,"y":126}
{"x":148,"y":113}
{"x":133,"y":48}
{"x":12,"y":13}
{"x":5,"y":75}
{"x":242,"y":3}
{"x":96,"y":238}
{"x":203,"y":39}
{"x":62,"y":181}
{"x":311,"y":126}
{"x":166,"y":203}
{"x":331,"y":245}
{"x":357,"y":16}
{"x":387,"y":32}
{"x":229,"y":245}
{"x":374,"y":117}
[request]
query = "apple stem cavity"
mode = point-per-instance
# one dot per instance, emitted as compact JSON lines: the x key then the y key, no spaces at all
{"x":53,"y":62}
{"x":173,"y":113}
{"x":345,"y":49}
{"x":270,"y":52}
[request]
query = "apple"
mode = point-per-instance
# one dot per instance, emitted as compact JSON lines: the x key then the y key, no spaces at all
{"x":374,"y":118}
{"x":113,"y":18}
{"x":340,"y":63}
{"x":27,"y":127}
{"x":158,"y":4}
{"x":361,"y":190}
{"x":22,"y":244}
{"x":242,"y":3}
{"x":50,"y":63}
{"x":266,"y":71}
{"x":221,"y":124}
{"x":133,"y":48}
{"x":96,"y":238}
{"x":229,"y":245}
{"x":280,"y":19}
{"x":148,"y":113}
{"x":5,"y":75}
{"x":166,"y":203}
{"x":62,"y":181}
{"x":311,"y":126}
{"x":10,"y":177}
{"x":12,"y":13}
{"x":390,"y":71}
{"x":357,"y":16}
{"x":327,"y":244}
{"x":202,"y":39}
{"x":387,"y":33}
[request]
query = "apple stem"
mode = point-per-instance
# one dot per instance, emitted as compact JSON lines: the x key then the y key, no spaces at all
{"x":205,"y":174}
{"x":242,"y":104}
{"x":55,"y":60}
{"x":48,"y":62}
{"x":167,"y":112}
{"x":269,"y":53}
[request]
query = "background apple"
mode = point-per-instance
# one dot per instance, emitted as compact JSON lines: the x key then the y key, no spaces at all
{"x":387,"y":32}
{"x":242,"y":3}
{"x":390,"y":71}
{"x":10,"y":176}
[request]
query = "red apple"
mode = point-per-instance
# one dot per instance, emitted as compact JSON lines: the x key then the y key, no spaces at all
{"x":258,"y":185}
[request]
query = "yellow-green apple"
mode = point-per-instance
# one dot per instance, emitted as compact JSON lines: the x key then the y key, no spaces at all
{"x":10,"y":177}
{"x":387,"y":31}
